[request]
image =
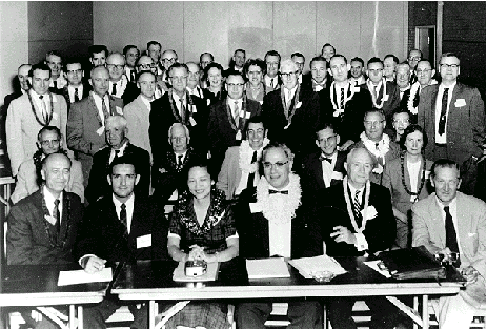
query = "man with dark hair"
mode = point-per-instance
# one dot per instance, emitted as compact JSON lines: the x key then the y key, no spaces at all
{"x":390,"y":63}
{"x":131,"y":54}
{"x":450,"y":222}
{"x":194,"y":80}
{"x":238,"y":60}
{"x":97,"y":54}
{"x":317,"y":80}
{"x":414,"y":56}
{"x":57,"y":81}
{"x":272,"y":79}
{"x":75,"y":90}
{"x":357,"y":72}
{"x":154,"y":51}
{"x":328,"y":51}
{"x":227,"y":120}
{"x":205,"y":59}
{"x":26,"y":115}
{"x":299,"y":60}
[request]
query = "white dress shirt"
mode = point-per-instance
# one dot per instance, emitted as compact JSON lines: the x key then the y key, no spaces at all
{"x":129,"y":207}
{"x":49,"y":200}
{"x":438,"y":109}
{"x":272,"y":82}
{"x":121,"y":150}
{"x":99,"y":104}
{"x":289,"y":94}
{"x":232,"y":103}
{"x":327,"y":168}
{"x":361,"y":242}
{"x":72,"y":91}
{"x":177,"y":101}
{"x":244,"y":174}
{"x":452,"y":211}
{"x":42,"y":104}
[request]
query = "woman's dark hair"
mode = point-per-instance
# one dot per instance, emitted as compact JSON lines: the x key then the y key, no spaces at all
{"x":410,"y":129}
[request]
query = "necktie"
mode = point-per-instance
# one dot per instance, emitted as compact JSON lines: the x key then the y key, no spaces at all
{"x":451,"y":241}
{"x":251,"y":176}
{"x":76,"y":94}
{"x":443,"y":112}
{"x":43,"y":108}
{"x":57,"y":215}
{"x":183,"y":111}
{"x":275,"y":191}
{"x":132,"y":75}
{"x":55,"y":84}
{"x":117,"y":153}
{"x":123,"y":215}
{"x":273,"y":83}
{"x":179,"y":161}
{"x":113,"y":92}
{"x":323,"y":158}
{"x":341,"y":102}
{"x":357,"y":207}
{"x":236,"y":114}
{"x":104,"y":109}
{"x":375,"y":92}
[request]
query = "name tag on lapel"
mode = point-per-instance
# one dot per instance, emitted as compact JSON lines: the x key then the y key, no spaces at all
{"x":144,"y":241}
{"x":337,"y":175}
{"x":255,"y":207}
{"x":460,"y":102}
{"x":100,"y":130}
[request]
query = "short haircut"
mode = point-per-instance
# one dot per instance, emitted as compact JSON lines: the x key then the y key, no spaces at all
{"x":401,"y":109}
{"x":283,"y":147}
{"x":97,"y":49}
{"x":272,"y":53}
{"x":139,"y":75}
{"x":116,"y":120}
{"x":150,"y":43}
{"x":424,"y":60}
{"x":255,"y":119}
{"x":53,"y":53}
{"x":410,"y":129}
{"x":329,"y":45}
{"x":404,"y":64}
{"x":288,"y":62}
{"x":318,"y":59}
{"x":339,"y":56}
{"x":211,"y":65}
{"x":48,"y":128}
{"x":415,"y":49}
{"x":210,"y":56}
{"x":71,"y":61}
{"x":177,"y":124}
{"x":444,"y":163}
{"x":101,"y":67}
{"x":194,"y":63}
{"x":125,"y":159}
{"x":39,"y":66}
{"x":356,"y":149}
{"x":374,"y":60}
{"x":450,"y":55}
{"x":128,"y":47}
{"x":326,"y":125}
{"x":60,"y":151}
{"x":177,"y":65}
{"x":394,"y":58}
{"x":297,"y":55}
{"x":234,"y":73}
{"x":357,"y":59}
{"x":256,"y":62}
{"x":374,"y":110}
{"x":241,"y":50}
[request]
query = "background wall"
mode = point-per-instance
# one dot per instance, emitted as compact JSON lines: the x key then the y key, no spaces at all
{"x":356,"y":28}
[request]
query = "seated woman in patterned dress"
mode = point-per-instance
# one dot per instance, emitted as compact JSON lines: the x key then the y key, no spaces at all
{"x":202,"y":227}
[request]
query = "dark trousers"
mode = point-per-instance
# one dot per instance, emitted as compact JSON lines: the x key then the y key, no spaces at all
{"x":302,"y":315}
{"x":95,"y":315}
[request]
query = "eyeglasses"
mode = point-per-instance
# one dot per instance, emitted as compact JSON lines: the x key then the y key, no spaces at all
{"x":54,"y":142}
{"x":373,"y":123}
{"x":425,"y":71}
{"x":403,"y":122}
{"x":289,"y":74}
{"x":237,"y":85}
{"x":178,"y":139}
{"x":169,"y":60}
{"x":146,"y":66}
{"x":415,"y":58}
{"x":278,"y":165}
{"x":453,"y":66}
{"x":115,"y":66}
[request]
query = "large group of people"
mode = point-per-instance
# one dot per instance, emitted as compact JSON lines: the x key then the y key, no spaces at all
{"x":147,"y":158}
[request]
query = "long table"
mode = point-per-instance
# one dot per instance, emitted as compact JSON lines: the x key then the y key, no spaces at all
{"x":152,"y":281}
{"x":36,"y":285}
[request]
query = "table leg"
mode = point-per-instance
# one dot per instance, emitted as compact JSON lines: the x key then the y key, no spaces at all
{"x":72,"y":317}
{"x":80,"y":317}
{"x":425,"y":310}
{"x":151,"y":314}
{"x":416,"y":308}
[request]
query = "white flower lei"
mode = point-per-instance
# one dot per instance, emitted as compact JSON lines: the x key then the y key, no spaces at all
{"x":245,"y":151}
{"x":346,"y":99}
{"x":277,"y":207}
{"x":383,"y":145}
{"x":414,"y":89}
{"x":375,"y":100}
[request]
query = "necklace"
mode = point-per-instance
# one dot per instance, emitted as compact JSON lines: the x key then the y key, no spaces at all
{"x":350,"y":210}
{"x":50,"y":115}
{"x":231,"y":121}
{"x":422,"y":182}
{"x":174,"y":109}
{"x":294,"y":104}
{"x":384,"y":98}
{"x":380,"y":151}
{"x":337,"y":107}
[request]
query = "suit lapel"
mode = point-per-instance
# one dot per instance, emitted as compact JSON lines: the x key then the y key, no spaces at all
{"x":438,"y":223}
{"x":112,"y":107}
{"x":433,"y":104}
{"x":463,"y":223}
{"x":92,"y":104}
{"x":64,"y":217}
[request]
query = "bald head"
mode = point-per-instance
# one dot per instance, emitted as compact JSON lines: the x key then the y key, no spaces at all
{"x":146,"y":63}
{"x":55,"y":172}
{"x":23,"y":74}
{"x":403,"y":75}
{"x":115,"y":63}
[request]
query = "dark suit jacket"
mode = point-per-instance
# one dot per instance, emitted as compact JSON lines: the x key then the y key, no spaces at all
{"x":393,"y":102}
{"x":300,"y":135}
{"x":331,"y":211}
{"x":98,"y":184}
{"x":211,"y":98}
{"x":308,"y":84}
{"x":162,"y":117}
{"x":103,"y":235}
{"x":131,"y":93}
{"x":28,"y":240}
{"x":253,"y":231}
{"x":350,"y":124}
{"x":465,"y":124}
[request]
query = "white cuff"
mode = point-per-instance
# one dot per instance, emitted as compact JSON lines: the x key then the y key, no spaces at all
{"x":361,"y":242}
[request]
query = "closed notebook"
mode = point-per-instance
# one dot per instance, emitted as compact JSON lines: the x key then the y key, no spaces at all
{"x":267,"y":268}
{"x":412,"y":263}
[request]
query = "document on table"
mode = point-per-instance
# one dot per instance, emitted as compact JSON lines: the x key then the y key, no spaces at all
{"x":309,"y":266}
{"x":267,"y":268}
{"x":67,"y":278}
{"x":374,"y":265}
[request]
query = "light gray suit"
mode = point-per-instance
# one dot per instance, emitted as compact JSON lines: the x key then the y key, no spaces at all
{"x":137,"y":115}
{"x":230,"y":175}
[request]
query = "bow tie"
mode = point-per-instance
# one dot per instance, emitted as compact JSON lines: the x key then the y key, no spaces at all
{"x":275,"y":191}
{"x":325,"y":159}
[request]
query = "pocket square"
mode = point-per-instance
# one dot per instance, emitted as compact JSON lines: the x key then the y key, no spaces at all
{"x":460,"y":102}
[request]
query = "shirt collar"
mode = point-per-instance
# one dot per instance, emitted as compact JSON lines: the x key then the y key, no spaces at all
{"x":49,"y":197}
{"x":129,"y":202}
{"x":449,"y":87}
{"x":177,"y":99}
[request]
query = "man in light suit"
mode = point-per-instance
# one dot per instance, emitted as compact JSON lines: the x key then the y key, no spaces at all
{"x":451,"y":221}
{"x":28,"y":114}
{"x":240,"y":168}
{"x":49,"y":141}
{"x":454,"y":120}
{"x":137,"y":112}
{"x":86,"y":121}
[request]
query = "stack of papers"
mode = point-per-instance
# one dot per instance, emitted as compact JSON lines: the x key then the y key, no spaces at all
{"x":309,"y":266}
{"x":267,"y":268}
{"x":67,"y":278}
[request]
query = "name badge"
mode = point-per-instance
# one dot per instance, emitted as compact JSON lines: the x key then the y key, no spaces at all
{"x":427,"y":174}
{"x":385,"y":98}
{"x":192,"y":122}
{"x":238,"y":135}
{"x":460,"y":102}
{"x":119,"y":110}
{"x":144,"y":241}
{"x":337,"y":175}
{"x":100,"y":130}
{"x":255,"y":207}
{"x":193,"y":108}
{"x":356,"y":89}
{"x":208,"y":102}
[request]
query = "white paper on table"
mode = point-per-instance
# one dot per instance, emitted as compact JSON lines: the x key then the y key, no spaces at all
{"x":374,"y":265}
{"x":67,"y":278}
{"x":309,"y":266}
{"x":267,"y":268}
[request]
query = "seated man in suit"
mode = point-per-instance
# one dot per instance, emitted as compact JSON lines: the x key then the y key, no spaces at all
{"x":170,"y":174}
{"x":276,"y":225}
{"x":241,"y":165}
{"x":378,"y":143}
{"x":358,"y":219}
{"x":118,"y":146}
{"x":75,"y":89}
{"x":42,"y":228}
{"x":227,"y":120}
{"x":123,"y":226}
{"x":326,"y":167}
{"x":118,"y":85}
{"x":449,"y":221}
{"x":29,"y":178}
{"x":384,"y":95}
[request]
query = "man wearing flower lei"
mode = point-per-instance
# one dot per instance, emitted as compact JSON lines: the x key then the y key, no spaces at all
{"x":241,"y":165}
{"x":42,"y":227}
{"x":403,"y":82}
{"x":272,"y":221}
{"x":58,"y":79}
{"x":406,"y":178}
{"x":381,"y":148}
{"x":202,"y":227}
{"x":424,"y":72}
{"x":27,"y":114}
{"x":356,"y":217}
{"x":385,"y":95}
{"x":344,"y":104}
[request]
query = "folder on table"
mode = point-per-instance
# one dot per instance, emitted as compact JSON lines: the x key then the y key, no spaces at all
{"x":267,"y":268}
